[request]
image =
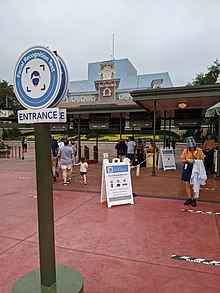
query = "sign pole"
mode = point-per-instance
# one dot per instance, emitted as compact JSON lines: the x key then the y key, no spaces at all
{"x":40,"y":83}
{"x":45,"y":204}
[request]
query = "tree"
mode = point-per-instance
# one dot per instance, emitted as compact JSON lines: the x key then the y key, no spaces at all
{"x":8,"y":100}
{"x":210,"y":77}
{"x":204,"y":79}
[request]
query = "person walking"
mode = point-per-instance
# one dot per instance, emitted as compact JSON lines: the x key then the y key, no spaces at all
{"x":54,"y":148}
{"x":140,"y":150}
{"x":189,"y":155}
{"x":208,"y":149}
{"x":83,"y":169}
{"x":24,"y":144}
{"x":131,"y":149}
{"x":66,"y":161}
{"x":121,"y":148}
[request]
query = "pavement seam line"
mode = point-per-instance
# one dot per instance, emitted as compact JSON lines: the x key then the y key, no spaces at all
{"x":75,"y":208}
{"x":20,"y":242}
{"x":134,"y":260}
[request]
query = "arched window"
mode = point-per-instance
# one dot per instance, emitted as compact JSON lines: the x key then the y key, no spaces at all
{"x":107,"y":92}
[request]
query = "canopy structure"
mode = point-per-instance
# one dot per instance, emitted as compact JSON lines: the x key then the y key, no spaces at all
{"x":212,"y":112}
{"x":165,"y":101}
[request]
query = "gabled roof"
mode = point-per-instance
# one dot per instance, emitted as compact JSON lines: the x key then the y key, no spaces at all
{"x":133,"y":82}
{"x":126,"y":72}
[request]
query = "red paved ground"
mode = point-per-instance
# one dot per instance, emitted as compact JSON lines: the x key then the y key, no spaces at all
{"x":123,"y":249}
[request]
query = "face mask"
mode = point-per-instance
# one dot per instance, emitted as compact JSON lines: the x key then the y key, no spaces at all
{"x":190,"y":142}
{"x":209,"y":137}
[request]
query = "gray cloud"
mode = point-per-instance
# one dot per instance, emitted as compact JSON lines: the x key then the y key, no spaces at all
{"x":177,"y":36}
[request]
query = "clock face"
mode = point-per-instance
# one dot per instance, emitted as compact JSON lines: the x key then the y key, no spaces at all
{"x":107,"y":73}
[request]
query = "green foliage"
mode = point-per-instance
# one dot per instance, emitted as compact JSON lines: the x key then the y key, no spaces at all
{"x":11,"y":133}
{"x":210,"y":77}
{"x":7,"y":97}
{"x":197,"y":134}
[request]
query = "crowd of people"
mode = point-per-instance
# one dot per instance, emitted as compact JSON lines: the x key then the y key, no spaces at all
{"x":63,"y":154}
{"x":135,"y":151}
{"x":195,"y":160}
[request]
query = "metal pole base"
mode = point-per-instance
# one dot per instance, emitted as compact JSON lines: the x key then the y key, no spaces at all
{"x":217,"y":176}
{"x":68,"y":281}
{"x":153,"y":173}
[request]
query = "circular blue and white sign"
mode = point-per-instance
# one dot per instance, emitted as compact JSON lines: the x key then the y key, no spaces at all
{"x":37,"y":78}
{"x":64,"y":83}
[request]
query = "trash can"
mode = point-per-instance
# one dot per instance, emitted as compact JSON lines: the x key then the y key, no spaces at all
{"x":149,"y":158}
{"x":86,"y":152}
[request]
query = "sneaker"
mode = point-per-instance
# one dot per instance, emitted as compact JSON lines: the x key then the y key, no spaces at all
{"x":194,"y":203}
{"x":68,"y":181}
{"x":65,"y":183}
{"x":188,"y":201}
{"x":85,"y":183}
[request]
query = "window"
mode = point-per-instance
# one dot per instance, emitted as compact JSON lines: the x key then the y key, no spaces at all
{"x":107,"y":92}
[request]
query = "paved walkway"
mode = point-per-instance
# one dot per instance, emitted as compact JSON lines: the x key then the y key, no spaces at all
{"x":123,"y":249}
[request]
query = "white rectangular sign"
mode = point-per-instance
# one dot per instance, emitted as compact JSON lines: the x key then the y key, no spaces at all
{"x":42,"y":116}
{"x":166,"y":159}
{"x":118,"y":183}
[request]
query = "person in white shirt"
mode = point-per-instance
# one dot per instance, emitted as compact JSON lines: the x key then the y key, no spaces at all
{"x":83,"y":169}
{"x":131,"y":149}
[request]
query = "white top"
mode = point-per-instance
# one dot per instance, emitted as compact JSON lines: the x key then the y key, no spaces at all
{"x":198,"y":176}
{"x":131,"y":147}
{"x":83,"y":166}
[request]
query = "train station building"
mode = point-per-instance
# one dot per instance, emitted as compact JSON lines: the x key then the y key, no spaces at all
{"x":104,"y":100}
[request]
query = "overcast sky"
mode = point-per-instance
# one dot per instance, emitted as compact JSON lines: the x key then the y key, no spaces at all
{"x":177,"y":36}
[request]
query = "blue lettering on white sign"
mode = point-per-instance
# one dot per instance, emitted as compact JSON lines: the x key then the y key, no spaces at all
{"x":116,"y":169}
{"x":37,"y":78}
{"x":64,"y":83}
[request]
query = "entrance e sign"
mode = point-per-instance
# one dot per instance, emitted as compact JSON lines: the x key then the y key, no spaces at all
{"x":37,"y":78}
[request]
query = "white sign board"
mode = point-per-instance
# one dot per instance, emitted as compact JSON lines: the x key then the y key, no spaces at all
{"x":117,"y":181}
{"x":166,"y":159}
{"x":42,"y":115}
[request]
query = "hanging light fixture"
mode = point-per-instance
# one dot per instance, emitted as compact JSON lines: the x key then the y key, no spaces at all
{"x":182,"y":104}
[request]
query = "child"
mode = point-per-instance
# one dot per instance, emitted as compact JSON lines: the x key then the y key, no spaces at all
{"x":83,"y":169}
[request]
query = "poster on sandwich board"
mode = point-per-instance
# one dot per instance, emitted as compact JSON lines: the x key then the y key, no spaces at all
{"x":116,"y":183}
{"x":166,"y":159}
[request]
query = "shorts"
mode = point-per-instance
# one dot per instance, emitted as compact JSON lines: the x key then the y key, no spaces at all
{"x":83,"y":173}
{"x":64,"y":167}
{"x":187,"y":172}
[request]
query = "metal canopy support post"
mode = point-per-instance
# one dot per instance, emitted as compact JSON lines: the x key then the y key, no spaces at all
{"x":120,"y":126}
{"x":164,"y":130}
{"x":154,"y":144}
{"x":79,"y":139}
{"x":169,"y":129}
{"x":45,"y":204}
{"x":218,"y":154}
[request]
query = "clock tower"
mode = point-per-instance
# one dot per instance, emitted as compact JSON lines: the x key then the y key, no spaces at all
{"x":107,"y":84}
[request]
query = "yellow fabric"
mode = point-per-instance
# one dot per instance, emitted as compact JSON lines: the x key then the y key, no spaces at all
{"x":209,"y":144}
{"x":197,"y":155}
